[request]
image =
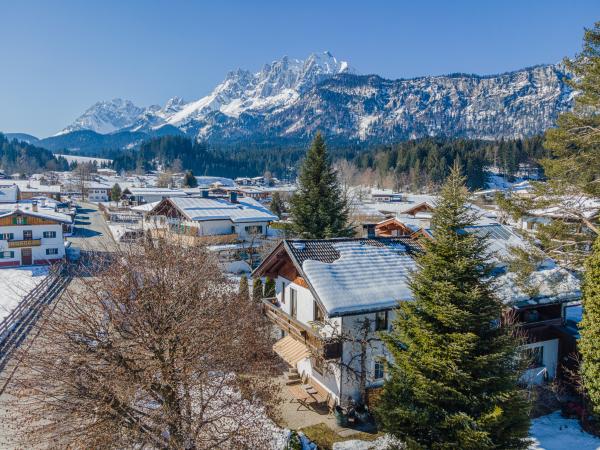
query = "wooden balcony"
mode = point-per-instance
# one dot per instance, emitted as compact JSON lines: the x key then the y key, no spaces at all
{"x":301,"y":332}
{"x":24,"y":243}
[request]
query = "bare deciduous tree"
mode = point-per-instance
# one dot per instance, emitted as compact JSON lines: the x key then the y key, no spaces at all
{"x":157,"y":350}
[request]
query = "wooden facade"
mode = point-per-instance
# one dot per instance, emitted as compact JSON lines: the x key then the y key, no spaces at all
{"x":12,"y":219}
{"x":392,"y":228}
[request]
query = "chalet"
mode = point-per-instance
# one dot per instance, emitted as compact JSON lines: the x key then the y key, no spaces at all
{"x":31,"y":235}
{"x":97,"y":192}
{"x":324,"y":287}
{"x":385,"y":196}
{"x":393,"y":227}
{"x":334,"y":287}
{"x":206,"y":216}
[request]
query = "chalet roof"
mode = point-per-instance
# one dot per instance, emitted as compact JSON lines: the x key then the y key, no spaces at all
{"x":202,"y":209}
{"x":9,"y":209}
{"x":352,"y":275}
{"x":324,"y":250}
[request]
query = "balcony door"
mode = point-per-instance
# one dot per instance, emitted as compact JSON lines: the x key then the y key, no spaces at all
{"x":26,"y":259}
{"x":27,"y":235}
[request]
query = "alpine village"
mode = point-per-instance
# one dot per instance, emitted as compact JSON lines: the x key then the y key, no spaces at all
{"x":310,"y":258}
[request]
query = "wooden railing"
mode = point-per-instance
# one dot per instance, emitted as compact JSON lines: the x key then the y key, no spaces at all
{"x":557,"y":321}
{"x":300,"y":331}
{"x":24,"y":243}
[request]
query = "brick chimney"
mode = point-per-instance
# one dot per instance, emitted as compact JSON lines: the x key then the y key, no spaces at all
{"x":34,"y":206}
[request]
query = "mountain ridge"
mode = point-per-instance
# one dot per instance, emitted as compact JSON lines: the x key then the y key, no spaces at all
{"x":290,"y":99}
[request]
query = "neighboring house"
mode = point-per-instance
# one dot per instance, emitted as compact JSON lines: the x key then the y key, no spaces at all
{"x":205,"y":216}
{"x":140,"y":196}
{"x":9,"y":193}
{"x":386,"y":195}
{"x":340,"y":282}
{"x":566,"y":210}
{"x":97,"y":192}
{"x":31,"y":235}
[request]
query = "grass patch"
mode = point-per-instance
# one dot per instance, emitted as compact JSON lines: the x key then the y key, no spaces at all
{"x":325,"y":437}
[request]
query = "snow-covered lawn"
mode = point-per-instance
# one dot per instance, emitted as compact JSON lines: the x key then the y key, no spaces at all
{"x":15,"y":283}
{"x":551,"y":432}
{"x":554,"y":432}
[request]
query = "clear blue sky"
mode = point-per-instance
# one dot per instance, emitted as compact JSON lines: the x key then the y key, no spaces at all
{"x":59,"y":57}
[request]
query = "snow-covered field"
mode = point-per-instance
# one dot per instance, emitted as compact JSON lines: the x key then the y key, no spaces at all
{"x":15,"y":283}
{"x":84,"y":159}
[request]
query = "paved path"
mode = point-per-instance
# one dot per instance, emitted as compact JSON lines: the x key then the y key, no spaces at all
{"x":91,"y":232}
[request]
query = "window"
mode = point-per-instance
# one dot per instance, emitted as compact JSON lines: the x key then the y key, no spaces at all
{"x":379,"y":370}
{"x":20,"y":220}
{"x":5,"y":255}
{"x":254,"y":229}
{"x":27,"y":235}
{"x":293,"y":302}
{"x":283,"y":292}
{"x":535,"y":356}
{"x":49,"y":234}
{"x":381,"y":321}
{"x":317,"y":313}
{"x":51,"y":251}
{"x":7,"y":236}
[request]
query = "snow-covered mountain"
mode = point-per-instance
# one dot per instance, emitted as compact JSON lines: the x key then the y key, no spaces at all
{"x":290,"y":99}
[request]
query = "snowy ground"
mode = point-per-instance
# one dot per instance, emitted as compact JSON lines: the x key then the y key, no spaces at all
{"x":554,"y":432}
{"x":16,"y":283}
{"x":551,"y":432}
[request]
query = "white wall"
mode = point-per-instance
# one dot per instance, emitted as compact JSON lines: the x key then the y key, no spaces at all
{"x":39,"y":252}
{"x":550,"y":362}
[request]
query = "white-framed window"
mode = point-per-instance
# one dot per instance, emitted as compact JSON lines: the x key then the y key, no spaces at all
{"x":49,"y":234}
{"x":7,"y":255}
{"x":379,"y":370}
{"x":283,"y":292}
{"x":51,"y":251}
{"x":7,"y":236}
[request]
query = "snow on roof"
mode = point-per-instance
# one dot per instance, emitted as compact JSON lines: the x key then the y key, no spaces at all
{"x":551,"y":284}
{"x":200,"y":209}
{"x":365,"y":277}
{"x":7,"y":209}
{"x":145,"y":207}
{"x":157,"y":191}
{"x":500,"y":239}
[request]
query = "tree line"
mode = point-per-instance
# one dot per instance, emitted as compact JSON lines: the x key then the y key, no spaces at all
{"x":23,"y":158}
{"x":412,"y":164}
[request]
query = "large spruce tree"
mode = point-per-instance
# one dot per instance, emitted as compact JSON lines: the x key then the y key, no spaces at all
{"x":589,"y":344}
{"x":319,"y":209}
{"x":453,"y":383}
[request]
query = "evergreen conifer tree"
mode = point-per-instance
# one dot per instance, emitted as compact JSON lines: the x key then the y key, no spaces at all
{"x":277,"y":206}
{"x":453,"y":383}
{"x":189,"y":180}
{"x":115,"y":193}
{"x":269,"y":288}
{"x":319,"y":208}
{"x":589,"y":344}
{"x":257,"y":290}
